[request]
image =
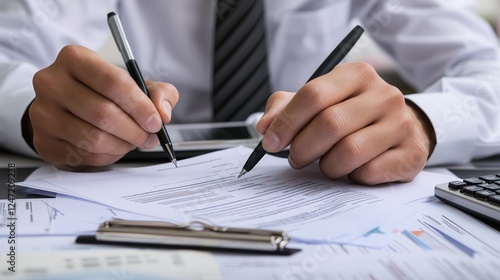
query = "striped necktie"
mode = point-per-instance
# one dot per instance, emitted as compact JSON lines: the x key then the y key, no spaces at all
{"x":241,"y":83}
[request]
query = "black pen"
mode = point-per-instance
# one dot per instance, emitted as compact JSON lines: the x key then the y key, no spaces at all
{"x":121,"y":41}
{"x":330,"y":62}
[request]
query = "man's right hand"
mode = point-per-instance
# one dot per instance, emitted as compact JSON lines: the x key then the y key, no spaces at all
{"x":88,"y":112}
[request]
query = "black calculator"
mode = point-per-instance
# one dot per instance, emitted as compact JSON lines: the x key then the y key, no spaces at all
{"x":478,"y":196}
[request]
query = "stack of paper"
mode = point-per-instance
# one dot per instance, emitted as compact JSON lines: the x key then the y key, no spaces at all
{"x":384,"y":225}
{"x":308,"y":206}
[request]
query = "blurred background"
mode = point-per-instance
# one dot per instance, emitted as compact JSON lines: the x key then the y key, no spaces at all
{"x":488,"y":9}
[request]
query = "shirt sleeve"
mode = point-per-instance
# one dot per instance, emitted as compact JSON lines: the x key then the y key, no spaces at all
{"x":31,"y":34}
{"x":451,"y":57}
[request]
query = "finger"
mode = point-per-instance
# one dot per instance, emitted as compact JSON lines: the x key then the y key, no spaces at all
{"x":275,"y":104}
{"x":64,"y":154}
{"x":331,"y":125}
{"x":59,"y":124}
{"x":102,"y":114}
{"x":164,"y":97}
{"x":113,"y":83}
{"x":342,"y":82}
{"x":400,"y":164}
{"x":358,"y":148}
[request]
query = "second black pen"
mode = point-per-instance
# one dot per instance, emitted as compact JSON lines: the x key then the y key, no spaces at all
{"x":335,"y":57}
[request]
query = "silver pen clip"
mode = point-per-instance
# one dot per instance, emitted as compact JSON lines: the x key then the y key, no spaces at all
{"x":193,"y":234}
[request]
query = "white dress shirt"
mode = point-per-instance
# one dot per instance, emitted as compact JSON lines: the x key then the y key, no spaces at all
{"x":442,"y":48}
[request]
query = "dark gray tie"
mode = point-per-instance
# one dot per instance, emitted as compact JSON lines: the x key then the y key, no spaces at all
{"x":241,"y":83}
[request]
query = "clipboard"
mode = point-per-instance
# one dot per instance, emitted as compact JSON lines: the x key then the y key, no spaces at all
{"x":194,"y":235}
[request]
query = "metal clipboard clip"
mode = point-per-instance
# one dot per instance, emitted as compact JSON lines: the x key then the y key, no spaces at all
{"x":193,"y":235}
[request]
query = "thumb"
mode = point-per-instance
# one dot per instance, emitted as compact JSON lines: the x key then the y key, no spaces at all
{"x":164,"y":97}
{"x":275,"y":104}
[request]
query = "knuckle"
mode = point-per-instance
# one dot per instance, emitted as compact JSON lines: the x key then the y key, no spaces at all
{"x":280,"y":94}
{"x":418,"y":154}
{"x":405,"y":173}
{"x":283,"y":122}
{"x":43,"y":81}
{"x":331,"y":122}
{"x":315,"y":94}
{"x":394,"y":97}
{"x":98,"y":140}
{"x":70,"y":51}
{"x":39,"y":79}
{"x":142,"y":108}
{"x":298,"y":153}
{"x":35,"y":112}
{"x":328,"y":170}
{"x":275,"y":96}
{"x":352,"y":151}
{"x":118,"y":84}
{"x":402,"y":124}
{"x":369,"y":174}
{"x":103,"y":114}
{"x":365,"y":72}
{"x":72,"y":54}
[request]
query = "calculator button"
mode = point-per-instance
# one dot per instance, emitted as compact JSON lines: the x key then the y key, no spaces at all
{"x":494,"y":199}
{"x":484,"y":194}
{"x":471,"y":190}
{"x":489,"y":178}
{"x":490,"y":187}
{"x":456,"y":185}
{"x":473,"y":181}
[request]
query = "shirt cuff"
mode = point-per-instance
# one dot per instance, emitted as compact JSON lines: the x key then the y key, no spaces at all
{"x":455,"y":131}
{"x":15,"y":99}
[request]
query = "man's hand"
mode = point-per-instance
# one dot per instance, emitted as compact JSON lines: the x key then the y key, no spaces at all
{"x":354,"y":123}
{"x":88,"y":112}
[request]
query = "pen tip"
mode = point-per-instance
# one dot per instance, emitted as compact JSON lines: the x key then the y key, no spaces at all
{"x":243,"y":172}
{"x":174,"y":161}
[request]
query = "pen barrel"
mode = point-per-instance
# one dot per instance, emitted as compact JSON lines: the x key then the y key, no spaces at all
{"x":339,"y":53}
{"x":163,"y":136}
{"x":135,"y":73}
{"x":255,"y":157}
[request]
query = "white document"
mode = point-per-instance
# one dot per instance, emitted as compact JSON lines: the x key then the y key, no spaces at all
{"x":77,"y":216}
{"x":26,"y":216}
{"x":112,"y":264}
{"x":41,"y":216}
{"x":436,"y":227}
{"x":308,"y":206}
{"x":330,"y":261}
{"x":437,"y":241}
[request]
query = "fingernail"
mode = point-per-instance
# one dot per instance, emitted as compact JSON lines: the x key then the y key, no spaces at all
{"x":165,"y":106}
{"x":154,"y":123}
{"x":271,"y":142}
